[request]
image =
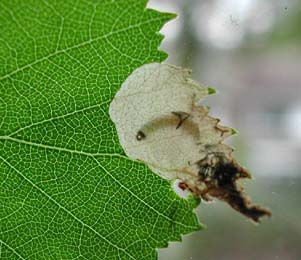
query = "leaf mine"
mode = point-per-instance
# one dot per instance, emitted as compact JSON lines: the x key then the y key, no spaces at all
{"x":160,"y":121}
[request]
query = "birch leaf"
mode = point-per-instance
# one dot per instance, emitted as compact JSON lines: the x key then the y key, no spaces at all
{"x":67,"y":191}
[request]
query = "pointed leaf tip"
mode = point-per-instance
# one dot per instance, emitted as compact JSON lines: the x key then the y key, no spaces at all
{"x":211,"y":91}
{"x":233,"y":131}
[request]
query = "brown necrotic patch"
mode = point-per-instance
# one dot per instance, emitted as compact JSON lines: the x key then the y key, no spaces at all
{"x":220,"y":176}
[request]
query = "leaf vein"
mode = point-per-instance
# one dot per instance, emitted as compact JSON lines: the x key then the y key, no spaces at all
{"x":29,"y":65}
{"x":94,"y":155}
{"x":58,"y":117}
{"x":12,"y":249}
{"x":66,"y":210}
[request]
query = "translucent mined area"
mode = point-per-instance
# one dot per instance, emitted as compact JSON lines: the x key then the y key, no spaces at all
{"x":160,"y":120}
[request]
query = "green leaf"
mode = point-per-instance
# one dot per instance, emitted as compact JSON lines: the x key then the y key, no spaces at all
{"x":67,"y":190}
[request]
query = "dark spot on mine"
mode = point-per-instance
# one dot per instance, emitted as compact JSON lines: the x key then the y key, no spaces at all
{"x":183,"y":186}
{"x":225,"y":174}
{"x":140,"y":135}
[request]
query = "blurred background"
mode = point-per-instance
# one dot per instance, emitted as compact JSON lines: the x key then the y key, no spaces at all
{"x":250,"y":51}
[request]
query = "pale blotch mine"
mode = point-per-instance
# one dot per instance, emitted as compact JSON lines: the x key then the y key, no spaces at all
{"x":148,"y":101}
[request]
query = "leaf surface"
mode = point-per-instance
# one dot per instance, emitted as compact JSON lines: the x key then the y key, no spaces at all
{"x":67,"y":190}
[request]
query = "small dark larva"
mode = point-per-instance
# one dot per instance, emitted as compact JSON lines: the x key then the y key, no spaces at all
{"x":140,"y":135}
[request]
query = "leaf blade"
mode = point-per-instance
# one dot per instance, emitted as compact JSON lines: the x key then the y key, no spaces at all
{"x":67,"y":190}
